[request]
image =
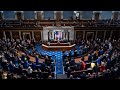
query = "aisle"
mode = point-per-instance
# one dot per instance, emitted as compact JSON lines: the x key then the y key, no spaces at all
{"x":59,"y":62}
{"x":58,"y":58}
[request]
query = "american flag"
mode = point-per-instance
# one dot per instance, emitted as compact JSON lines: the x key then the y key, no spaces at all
{"x":58,"y":34}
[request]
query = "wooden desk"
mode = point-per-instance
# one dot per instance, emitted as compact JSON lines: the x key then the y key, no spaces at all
{"x":61,"y":41}
{"x":58,"y":47}
{"x":58,"y":44}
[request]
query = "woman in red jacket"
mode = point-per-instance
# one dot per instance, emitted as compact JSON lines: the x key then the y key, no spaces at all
{"x":102,"y":67}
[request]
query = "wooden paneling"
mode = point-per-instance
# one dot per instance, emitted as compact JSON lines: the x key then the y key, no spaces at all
{"x":116,"y":34}
{"x":37,"y":35}
{"x":26,"y":32}
{"x":97,"y":15}
{"x":90,"y":35}
{"x":7,"y":34}
{"x":19,"y":15}
{"x":1,"y":35}
{"x":115,"y":15}
{"x":58,"y":15}
{"x":57,"y":48}
{"x":79,"y":34}
{"x":39,"y":16}
{"x":107,"y":36}
{"x":1,"y":16}
{"x":100,"y":35}
{"x":15,"y":35}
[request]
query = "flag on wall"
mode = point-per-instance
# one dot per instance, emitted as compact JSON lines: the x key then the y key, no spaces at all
{"x":58,"y":35}
{"x":56,"y":32}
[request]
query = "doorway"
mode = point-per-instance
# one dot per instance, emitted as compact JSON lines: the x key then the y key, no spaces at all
{"x":26,"y":36}
{"x":90,"y":35}
{"x":97,"y":15}
{"x":19,"y":15}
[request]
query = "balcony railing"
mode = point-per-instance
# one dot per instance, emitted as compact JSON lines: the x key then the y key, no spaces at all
{"x":40,"y":23}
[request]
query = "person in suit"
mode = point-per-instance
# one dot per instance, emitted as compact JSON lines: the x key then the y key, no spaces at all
{"x":37,"y":60}
{"x":70,"y":53}
{"x":89,"y":57}
{"x":68,"y":72}
{"x":75,"y":53}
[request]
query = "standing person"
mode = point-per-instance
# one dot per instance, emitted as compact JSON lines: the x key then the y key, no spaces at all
{"x":98,"y":61}
{"x":28,"y":58}
{"x":89,"y":57}
{"x":68,"y":72}
{"x":75,"y":53}
{"x":83,"y":58}
{"x":37,"y":60}
{"x":83,"y":65}
{"x":102,"y":68}
{"x":70,"y":53}
{"x":26,"y":64}
{"x":94,"y":56}
{"x":11,"y":67}
{"x":96,"y":69}
{"x":64,"y":56}
{"x":30,"y":70}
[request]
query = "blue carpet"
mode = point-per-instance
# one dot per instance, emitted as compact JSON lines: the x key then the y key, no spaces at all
{"x":59,"y":63}
{"x":57,"y":57}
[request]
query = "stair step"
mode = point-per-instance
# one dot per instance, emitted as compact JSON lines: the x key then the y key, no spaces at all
{"x":61,"y":76}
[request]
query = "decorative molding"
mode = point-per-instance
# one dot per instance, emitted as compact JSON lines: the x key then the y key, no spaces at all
{"x":35,"y":15}
{"x":55,"y":15}
{"x":61,"y":14}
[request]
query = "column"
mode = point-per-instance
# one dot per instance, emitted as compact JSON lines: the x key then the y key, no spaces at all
{"x":68,"y":35}
{"x":11,"y":35}
{"x":96,"y":34}
{"x":93,"y":15}
{"x":41,"y":35}
{"x":33,"y":36}
{"x":22,"y":15}
{"x":48,"y":35}
{"x":65,"y":34}
{"x":75,"y":35}
{"x":15,"y":16}
{"x":111,"y":34}
{"x":62,"y":35}
{"x":4,"y":35}
{"x":35,"y":13}
{"x":20,"y":35}
{"x":104,"y":35}
{"x":83,"y":35}
{"x":52,"y":34}
{"x":42,"y":16}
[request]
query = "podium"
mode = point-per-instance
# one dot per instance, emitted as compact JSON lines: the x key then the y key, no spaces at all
{"x":58,"y":47}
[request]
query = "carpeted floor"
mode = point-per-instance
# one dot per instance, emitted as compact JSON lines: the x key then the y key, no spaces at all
{"x":59,"y":62}
{"x":57,"y":56}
